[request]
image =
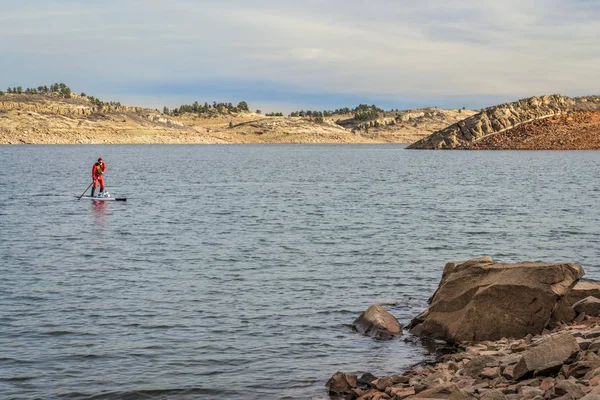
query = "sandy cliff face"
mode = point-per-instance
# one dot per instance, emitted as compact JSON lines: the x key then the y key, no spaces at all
{"x":499,"y":119}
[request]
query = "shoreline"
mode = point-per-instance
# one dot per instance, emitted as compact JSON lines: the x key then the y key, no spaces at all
{"x":486,"y":370}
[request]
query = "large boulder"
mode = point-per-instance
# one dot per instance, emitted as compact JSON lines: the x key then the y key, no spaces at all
{"x":481,"y":299}
{"x":377,"y":323}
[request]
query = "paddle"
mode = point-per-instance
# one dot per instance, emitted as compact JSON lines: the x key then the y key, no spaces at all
{"x":85,"y":191}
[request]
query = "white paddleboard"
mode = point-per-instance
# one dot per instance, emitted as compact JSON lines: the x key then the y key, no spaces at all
{"x":95,"y":198}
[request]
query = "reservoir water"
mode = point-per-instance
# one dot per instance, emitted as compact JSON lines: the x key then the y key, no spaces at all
{"x":235,"y":272}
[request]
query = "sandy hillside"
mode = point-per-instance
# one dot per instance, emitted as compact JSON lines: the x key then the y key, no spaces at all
{"x":50,"y":119}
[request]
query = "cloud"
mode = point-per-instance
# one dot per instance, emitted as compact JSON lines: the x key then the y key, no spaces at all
{"x":382,"y":49}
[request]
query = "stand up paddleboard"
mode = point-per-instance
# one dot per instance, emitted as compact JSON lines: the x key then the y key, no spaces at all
{"x":95,"y":198}
{"x":103,"y":196}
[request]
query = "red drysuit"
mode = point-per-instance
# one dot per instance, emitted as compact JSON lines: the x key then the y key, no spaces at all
{"x":98,"y":174}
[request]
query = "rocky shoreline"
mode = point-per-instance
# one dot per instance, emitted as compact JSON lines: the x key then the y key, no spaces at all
{"x":552,"y":352}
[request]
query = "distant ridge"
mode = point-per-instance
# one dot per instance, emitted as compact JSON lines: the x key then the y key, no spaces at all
{"x":497,"y":119}
{"x":47,"y":116}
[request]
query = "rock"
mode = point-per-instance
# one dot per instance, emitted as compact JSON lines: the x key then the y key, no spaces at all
{"x":528,"y":392}
{"x":477,"y":365}
{"x":588,"y":362}
{"x":438,"y":378}
{"x":367,"y":379}
{"x":377,"y":323}
{"x":564,"y":312}
{"x":594,"y":394}
{"x":374,"y":395}
{"x":590,"y":306}
{"x":490,"y":373}
{"x":498,"y":119}
{"x":568,"y":388}
{"x":594,"y":333}
{"x":509,"y":373}
{"x":594,"y":346}
{"x":493,"y":395}
{"x":582,"y":290}
{"x":483,"y":300}
{"x":447,"y":391}
{"x":341,"y":383}
{"x":400,"y":393}
{"x":584,"y":344}
{"x":548,"y":355}
{"x":546,"y":383}
{"x":386,"y":381}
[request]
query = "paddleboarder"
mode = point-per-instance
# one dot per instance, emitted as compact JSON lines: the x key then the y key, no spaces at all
{"x":98,"y":171}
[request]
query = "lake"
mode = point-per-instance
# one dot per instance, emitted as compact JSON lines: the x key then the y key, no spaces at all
{"x":236,"y":271}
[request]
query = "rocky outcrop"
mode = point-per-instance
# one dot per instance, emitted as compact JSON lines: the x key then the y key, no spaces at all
{"x":75,"y":107}
{"x":555,"y":365}
{"x":483,"y":300}
{"x":498,"y":119}
{"x":161,"y":119}
{"x":377,"y":323}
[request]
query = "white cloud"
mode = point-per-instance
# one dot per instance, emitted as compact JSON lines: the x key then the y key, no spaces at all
{"x":383,"y":47}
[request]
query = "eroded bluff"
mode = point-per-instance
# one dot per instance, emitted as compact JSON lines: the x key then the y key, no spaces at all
{"x":497,"y":119}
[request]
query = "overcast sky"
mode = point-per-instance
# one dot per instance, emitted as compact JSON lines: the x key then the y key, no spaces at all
{"x":312,"y":54}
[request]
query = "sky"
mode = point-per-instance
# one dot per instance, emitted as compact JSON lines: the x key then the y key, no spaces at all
{"x":312,"y":54}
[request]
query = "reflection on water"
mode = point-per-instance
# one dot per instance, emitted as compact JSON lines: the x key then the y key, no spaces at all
{"x":99,"y":208}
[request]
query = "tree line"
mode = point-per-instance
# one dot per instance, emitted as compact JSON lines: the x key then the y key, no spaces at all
{"x":362,"y":112}
{"x":197,"y":108}
{"x":62,"y":90}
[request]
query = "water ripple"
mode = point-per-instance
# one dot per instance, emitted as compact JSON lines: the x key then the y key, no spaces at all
{"x":240,"y":276}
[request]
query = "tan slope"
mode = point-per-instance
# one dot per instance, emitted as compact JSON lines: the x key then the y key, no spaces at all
{"x":50,"y":119}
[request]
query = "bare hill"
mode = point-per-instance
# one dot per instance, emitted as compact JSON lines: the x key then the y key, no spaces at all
{"x":52,"y":119}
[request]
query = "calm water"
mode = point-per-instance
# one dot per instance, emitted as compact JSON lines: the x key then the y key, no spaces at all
{"x":236,"y":271}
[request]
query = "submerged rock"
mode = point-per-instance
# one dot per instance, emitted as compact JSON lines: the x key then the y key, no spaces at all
{"x":377,"y":323}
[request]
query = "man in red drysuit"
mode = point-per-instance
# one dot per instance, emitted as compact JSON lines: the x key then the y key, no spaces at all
{"x":98,"y":175}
